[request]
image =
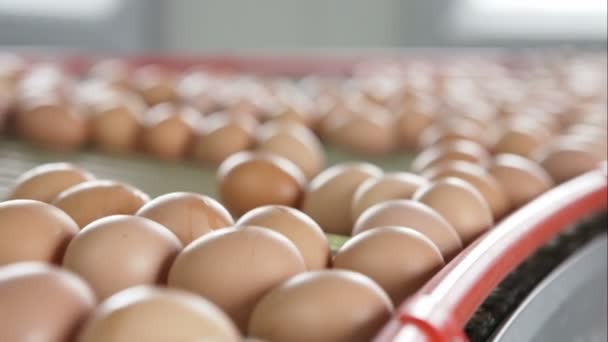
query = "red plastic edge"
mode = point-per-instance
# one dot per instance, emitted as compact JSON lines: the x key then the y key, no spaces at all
{"x":439,"y":311}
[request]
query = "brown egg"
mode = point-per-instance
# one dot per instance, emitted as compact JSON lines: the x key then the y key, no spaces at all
{"x":414,"y":215}
{"x":460,"y":204}
{"x":121,"y":251}
{"x":589,"y":141}
{"x":521,"y":179}
{"x":294,"y":142}
{"x":115,"y":125}
{"x":478,"y":177}
{"x":155,"y":84}
{"x":370,"y":133}
{"x":40,"y":302}
{"x":187,"y":215}
{"x":250,"y":180}
{"x":521,"y":141}
{"x":52,"y":125}
{"x":91,"y":200}
{"x":564,"y":162}
{"x":452,"y":131}
{"x":328,"y":305}
{"x":300,"y":229}
{"x":218,"y":136}
{"x":33,"y":231}
{"x":412,"y":121}
{"x":235,"y":268}
{"x":114,"y":71}
{"x":46,"y":181}
{"x":328,"y":198}
{"x":168,"y":131}
{"x":456,"y":150}
{"x":408,"y":258}
{"x":146,"y":313}
{"x":398,"y":185}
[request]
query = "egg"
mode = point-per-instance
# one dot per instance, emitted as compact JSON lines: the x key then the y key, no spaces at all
{"x":121,"y":251}
{"x":412,"y":121}
{"x":116,"y":124}
{"x":51,"y":124}
{"x":33,"y":231}
{"x":477,"y":176}
{"x":408,"y":258}
{"x":235,"y":267}
{"x":114,"y":71}
{"x":187,"y":215}
{"x":168,"y":131}
{"x":146,"y":313}
{"x":398,"y":185}
{"x":249,"y":180}
{"x":218,"y":136}
{"x":155,"y":84}
{"x":565,"y":162}
{"x":300,"y":229}
{"x":460,"y":204}
{"x":44,"y":182}
{"x":521,"y":141}
{"x":370,"y":133}
{"x":328,"y":197}
{"x":455,"y":150}
{"x":457,"y":129}
{"x":327,"y":305}
{"x":414,"y":215}
{"x":521,"y":179}
{"x":294,"y":142}
{"x":39,"y":302}
{"x":91,"y":200}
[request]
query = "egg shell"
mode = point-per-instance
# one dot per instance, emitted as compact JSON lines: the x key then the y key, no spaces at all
{"x":398,"y":185}
{"x":412,"y":121}
{"x":408,"y":258}
{"x":91,"y":200}
{"x":121,"y":251}
{"x":522,"y":179}
{"x":44,"y":182}
{"x":372,"y":134}
{"x":460,"y":204}
{"x":300,"y":229}
{"x":328,"y":198}
{"x":41,"y":302}
{"x":566,"y":162}
{"x":168,"y":131}
{"x":218,"y":136}
{"x":146,"y":313}
{"x":249,"y":180}
{"x":33,"y":231}
{"x":294,"y":142}
{"x":234,"y":268}
{"x":462,"y":130}
{"x":414,"y":215}
{"x":54,"y":126}
{"x":187,"y":215}
{"x":477,"y":176}
{"x":116,"y":127}
{"x":327,"y":305}
{"x":455,"y":150}
{"x":520,"y":141}
{"x":155,"y":84}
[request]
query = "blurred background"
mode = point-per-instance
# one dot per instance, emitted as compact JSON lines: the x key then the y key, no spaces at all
{"x":192,"y":26}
